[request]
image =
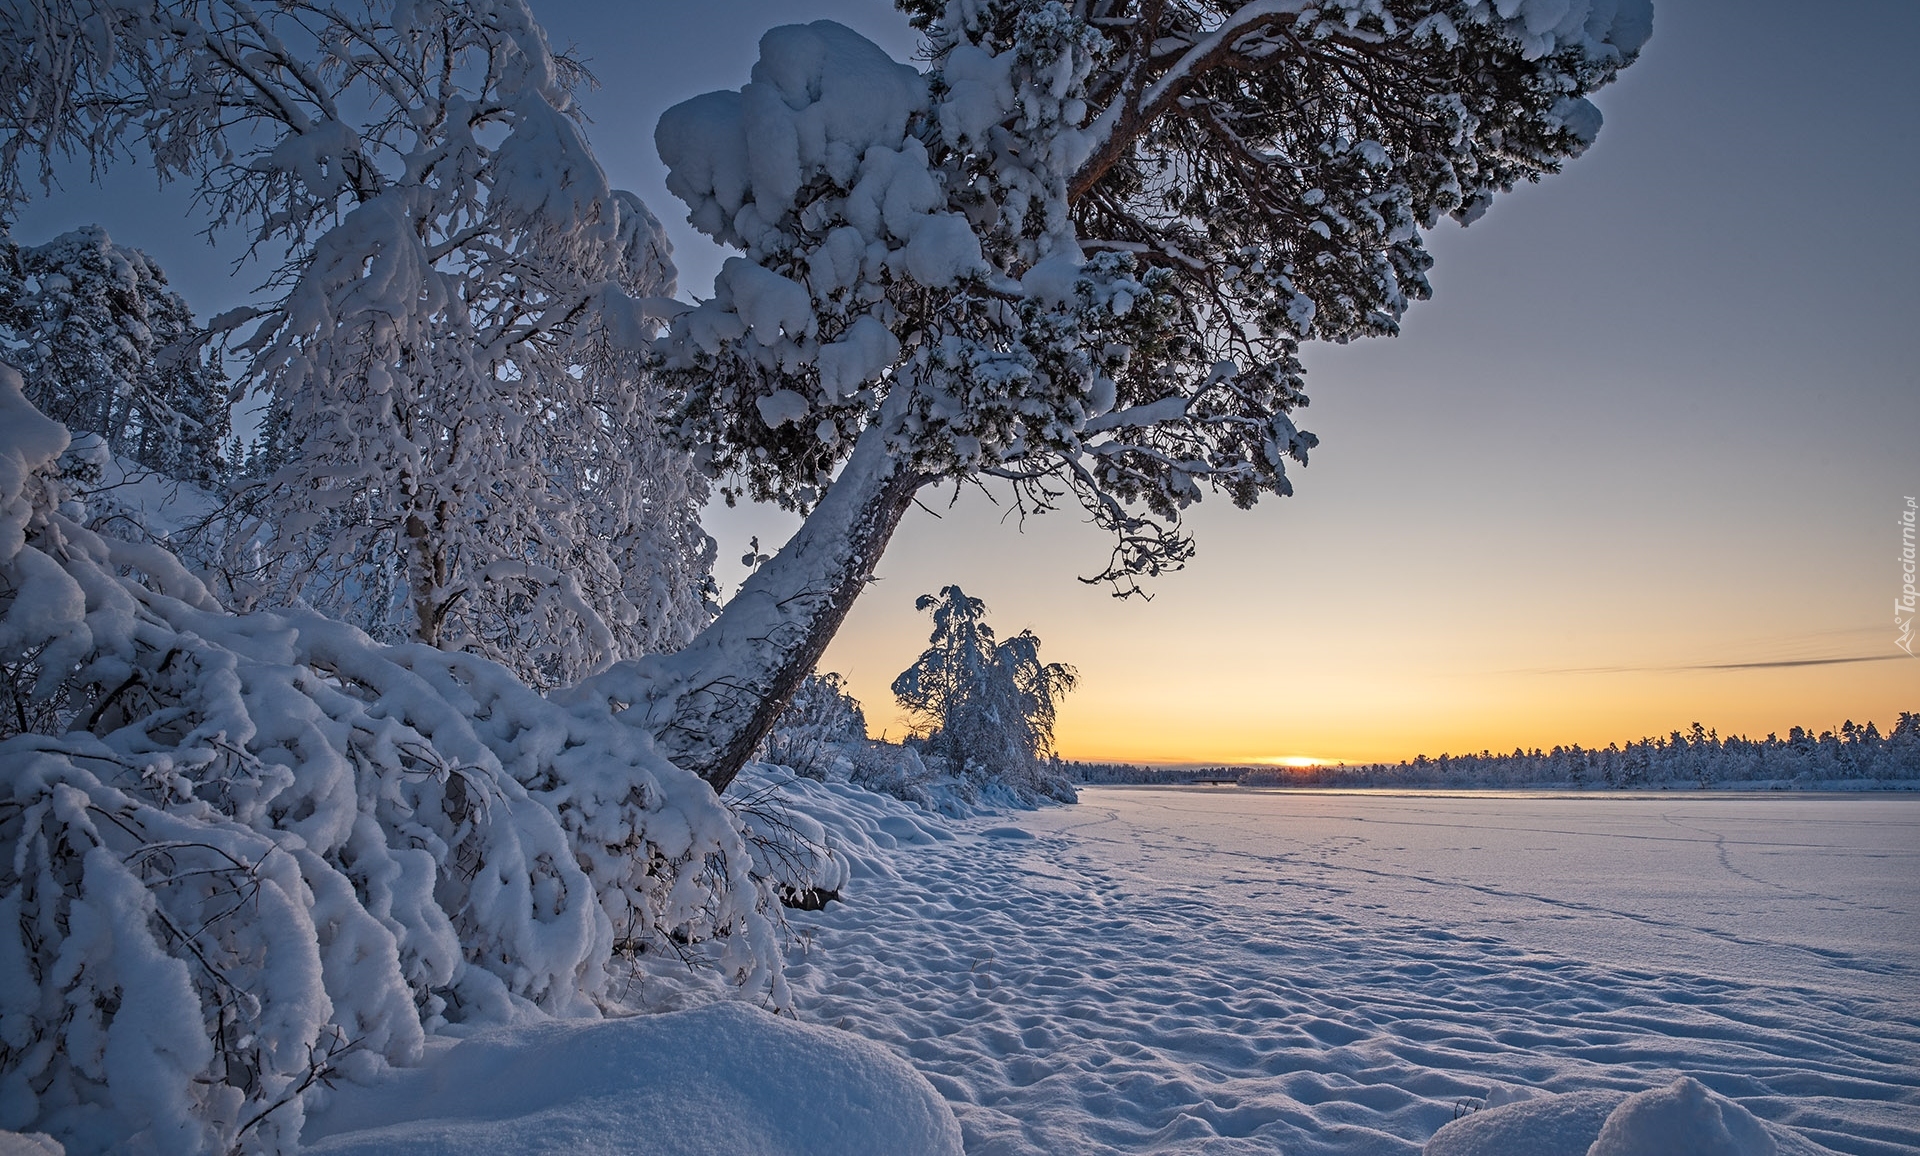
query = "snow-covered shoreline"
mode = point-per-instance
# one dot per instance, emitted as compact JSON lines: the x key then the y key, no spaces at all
{"x":1198,"y":970}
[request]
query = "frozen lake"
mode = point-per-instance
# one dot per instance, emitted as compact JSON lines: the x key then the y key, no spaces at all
{"x":1323,"y":972}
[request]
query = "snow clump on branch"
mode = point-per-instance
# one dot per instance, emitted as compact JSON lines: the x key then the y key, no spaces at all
{"x":1079,"y":254}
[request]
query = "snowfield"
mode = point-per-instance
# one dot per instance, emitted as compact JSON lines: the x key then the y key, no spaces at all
{"x":1235,"y":971}
{"x":1192,"y":970}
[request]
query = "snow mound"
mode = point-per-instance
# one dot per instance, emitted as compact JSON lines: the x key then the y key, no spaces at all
{"x":1684,"y":1118}
{"x":29,"y":1144}
{"x":1542,"y":1126}
{"x":722,"y":1078}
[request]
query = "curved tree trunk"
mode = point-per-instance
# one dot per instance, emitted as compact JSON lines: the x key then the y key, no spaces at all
{"x":709,"y":705}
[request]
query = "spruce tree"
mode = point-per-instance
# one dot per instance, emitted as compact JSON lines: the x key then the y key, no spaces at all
{"x":106,"y":347}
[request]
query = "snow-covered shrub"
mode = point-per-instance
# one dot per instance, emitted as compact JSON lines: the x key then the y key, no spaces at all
{"x":792,"y":851}
{"x":893,"y":769}
{"x":246,"y":852}
{"x":814,"y":735}
{"x":822,"y":735}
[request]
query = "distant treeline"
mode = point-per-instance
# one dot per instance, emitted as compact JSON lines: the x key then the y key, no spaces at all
{"x":1696,"y":757}
{"x":1128,"y":773}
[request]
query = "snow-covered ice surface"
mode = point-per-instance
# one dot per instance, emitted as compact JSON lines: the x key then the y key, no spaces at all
{"x":1235,"y":971}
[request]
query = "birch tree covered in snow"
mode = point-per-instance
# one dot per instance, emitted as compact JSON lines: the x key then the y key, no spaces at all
{"x":1078,"y":255}
{"x":461,"y":446}
{"x":250,"y":852}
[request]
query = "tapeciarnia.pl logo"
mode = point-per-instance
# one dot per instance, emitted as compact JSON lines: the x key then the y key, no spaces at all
{"x":1903,"y":606}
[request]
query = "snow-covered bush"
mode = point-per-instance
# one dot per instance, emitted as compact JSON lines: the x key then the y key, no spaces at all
{"x":823,"y":736}
{"x":894,"y":769}
{"x":817,"y":730}
{"x":792,"y":851}
{"x":246,"y":852}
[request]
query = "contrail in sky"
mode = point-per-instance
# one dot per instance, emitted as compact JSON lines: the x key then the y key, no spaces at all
{"x":1770,"y":664}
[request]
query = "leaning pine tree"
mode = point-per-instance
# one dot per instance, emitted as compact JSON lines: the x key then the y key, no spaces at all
{"x":1078,"y":255}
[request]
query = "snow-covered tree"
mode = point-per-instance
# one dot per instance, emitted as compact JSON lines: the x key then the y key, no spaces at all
{"x":107,"y":347}
{"x":462,"y":444}
{"x":248,"y":852}
{"x":984,"y":706}
{"x":1078,"y":255}
{"x":483,"y":475}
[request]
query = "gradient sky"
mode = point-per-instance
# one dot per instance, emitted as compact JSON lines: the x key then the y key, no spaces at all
{"x":1638,"y":463}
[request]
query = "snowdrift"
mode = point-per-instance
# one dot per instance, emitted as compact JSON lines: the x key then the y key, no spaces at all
{"x":1681,"y":1119}
{"x":722,"y":1078}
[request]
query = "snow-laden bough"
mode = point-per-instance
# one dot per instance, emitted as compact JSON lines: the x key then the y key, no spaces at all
{"x":247,"y":853}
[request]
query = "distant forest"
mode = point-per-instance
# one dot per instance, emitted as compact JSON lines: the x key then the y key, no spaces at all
{"x":1856,"y":755}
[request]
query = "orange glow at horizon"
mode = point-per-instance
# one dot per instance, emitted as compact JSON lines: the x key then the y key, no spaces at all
{"x":1352,"y":718}
{"x":1275,"y":647}
{"x":1498,"y":713}
{"x":1583,"y":497}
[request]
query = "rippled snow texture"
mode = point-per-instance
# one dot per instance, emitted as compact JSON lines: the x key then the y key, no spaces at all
{"x":1324,"y":973}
